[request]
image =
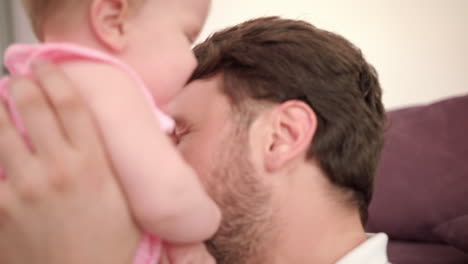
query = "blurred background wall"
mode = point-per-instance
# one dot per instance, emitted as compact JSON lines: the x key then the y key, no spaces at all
{"x":6,"y":28}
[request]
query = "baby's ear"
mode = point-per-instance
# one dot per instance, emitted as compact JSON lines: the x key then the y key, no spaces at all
{"x":108,"y":19}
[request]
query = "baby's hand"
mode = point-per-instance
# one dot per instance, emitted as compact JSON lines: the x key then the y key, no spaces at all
{"x":187,"y":254}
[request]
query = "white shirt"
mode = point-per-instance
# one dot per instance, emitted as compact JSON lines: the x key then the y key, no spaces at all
{"x":372,"y":251}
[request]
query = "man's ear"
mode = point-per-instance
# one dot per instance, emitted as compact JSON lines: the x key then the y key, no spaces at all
{"x":293,"y":126}
{"x":109,"y":22}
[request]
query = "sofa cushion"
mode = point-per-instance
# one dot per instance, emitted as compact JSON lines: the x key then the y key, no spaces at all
{"x":454,"y":232}
{"x":421,"y":191}
{"x":404,"y":252}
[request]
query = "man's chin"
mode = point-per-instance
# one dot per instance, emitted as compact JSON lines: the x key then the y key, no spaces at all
{"x":246,"y":204}
{"x":247,"y":225}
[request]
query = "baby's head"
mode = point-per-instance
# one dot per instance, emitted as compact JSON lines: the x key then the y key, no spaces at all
{"x":152,"y":36}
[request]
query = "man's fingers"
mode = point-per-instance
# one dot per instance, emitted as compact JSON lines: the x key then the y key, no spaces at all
{"x":37,"y":116}
{"x":13,"y":151}
{"x":72,"y":111}
{"x":164,"y":259}
{"x":6,"y":202}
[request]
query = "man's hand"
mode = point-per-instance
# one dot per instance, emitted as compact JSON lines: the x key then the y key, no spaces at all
{"x":189,"y":254}
{"x":60,"y":202}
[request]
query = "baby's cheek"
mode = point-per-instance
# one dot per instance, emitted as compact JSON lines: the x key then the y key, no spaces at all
{"x":172,"y":87}
{"x":162,"y":86}
{"x":168,"y":79}
{"x":177,"y":78}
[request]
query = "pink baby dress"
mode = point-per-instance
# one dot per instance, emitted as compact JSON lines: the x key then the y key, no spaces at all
{"x":18,"y":61}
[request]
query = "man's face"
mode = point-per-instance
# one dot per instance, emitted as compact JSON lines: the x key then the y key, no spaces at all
{"x":216,"y":145}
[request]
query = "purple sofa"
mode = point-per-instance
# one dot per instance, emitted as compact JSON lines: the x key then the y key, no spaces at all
{"x":421,"y":194}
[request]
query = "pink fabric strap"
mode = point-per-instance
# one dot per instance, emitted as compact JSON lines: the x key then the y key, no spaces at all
{"x":19,"y":58}
{"x":149,"y":251}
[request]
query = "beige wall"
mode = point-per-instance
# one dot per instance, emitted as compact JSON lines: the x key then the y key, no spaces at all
{"x":420,"y":47}
{"x":5,"y":30}
{"x":22,"y":31}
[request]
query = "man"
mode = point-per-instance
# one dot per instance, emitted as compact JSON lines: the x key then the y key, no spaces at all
{"x":283,"y":123}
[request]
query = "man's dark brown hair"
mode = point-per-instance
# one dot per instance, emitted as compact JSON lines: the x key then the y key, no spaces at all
{"x":276,"y":60}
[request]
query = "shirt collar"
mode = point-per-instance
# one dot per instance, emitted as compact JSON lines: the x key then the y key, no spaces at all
{"x":372,"y":251}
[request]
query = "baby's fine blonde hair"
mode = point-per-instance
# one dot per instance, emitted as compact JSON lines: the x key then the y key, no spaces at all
{"x":40,"y":11}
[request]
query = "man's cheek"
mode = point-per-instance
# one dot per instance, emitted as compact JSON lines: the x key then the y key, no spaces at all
{"x":195,"y":159}
{"x":185,"y":151}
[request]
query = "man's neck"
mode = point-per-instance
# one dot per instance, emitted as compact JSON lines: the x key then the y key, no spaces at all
{"x":315,"y":227}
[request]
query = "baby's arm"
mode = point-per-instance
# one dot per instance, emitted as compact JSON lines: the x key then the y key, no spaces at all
{"x":164,"y":193}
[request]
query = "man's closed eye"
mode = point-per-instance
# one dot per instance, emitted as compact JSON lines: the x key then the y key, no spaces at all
{"x":178,"y":134}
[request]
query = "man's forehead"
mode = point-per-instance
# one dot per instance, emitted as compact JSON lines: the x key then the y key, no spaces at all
{"x":195,"y":96}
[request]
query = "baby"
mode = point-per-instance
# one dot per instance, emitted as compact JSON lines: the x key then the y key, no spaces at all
{"x":127,"y":57}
